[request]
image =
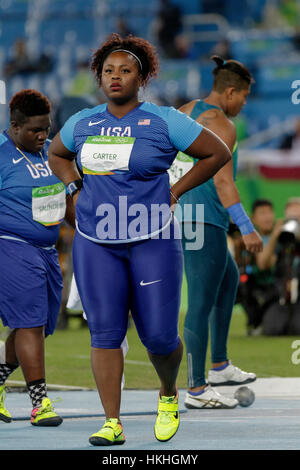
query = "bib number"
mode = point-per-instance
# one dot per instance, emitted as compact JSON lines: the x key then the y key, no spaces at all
{"x":101,"y":155}
{"x":49,"y":204}
{"x":181,"y":165}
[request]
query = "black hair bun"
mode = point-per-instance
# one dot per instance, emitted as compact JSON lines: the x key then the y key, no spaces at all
{"x":218,"y":60}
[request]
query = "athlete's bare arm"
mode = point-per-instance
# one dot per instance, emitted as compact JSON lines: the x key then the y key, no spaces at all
{"x":212,"y":154}
{"x":62,"y":163}
{"x":216,"y":121}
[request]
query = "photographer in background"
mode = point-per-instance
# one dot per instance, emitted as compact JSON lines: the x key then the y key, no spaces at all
{"x":292,"y":208}
{"x":283,"y":316}
{"x":257,"y":288}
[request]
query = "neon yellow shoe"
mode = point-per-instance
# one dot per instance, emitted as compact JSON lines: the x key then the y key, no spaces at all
{"x":4,"y":414}
{"x":167,"y":421}
{"x":45,"y":415}
{"x":110,"y":434}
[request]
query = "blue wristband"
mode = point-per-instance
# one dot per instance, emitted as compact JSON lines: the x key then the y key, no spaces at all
{"x":240,"y":218}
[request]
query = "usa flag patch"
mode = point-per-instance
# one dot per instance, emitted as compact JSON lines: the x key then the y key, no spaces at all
{"x":144,"y":122}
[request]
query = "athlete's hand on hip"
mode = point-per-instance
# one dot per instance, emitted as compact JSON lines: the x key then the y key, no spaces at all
{"x":253,"y":242}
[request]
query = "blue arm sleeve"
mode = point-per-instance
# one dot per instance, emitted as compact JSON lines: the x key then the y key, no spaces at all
{"x":183,"y":130}
{"x":240,"y":218}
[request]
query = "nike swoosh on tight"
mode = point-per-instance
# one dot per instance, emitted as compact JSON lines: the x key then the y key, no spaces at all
{"x":94,"y":123}
{"x":142,"y":283}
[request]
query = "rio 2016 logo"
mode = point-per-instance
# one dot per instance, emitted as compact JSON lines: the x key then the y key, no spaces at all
{"x":2,"y":92}
{"x":296,"y":94}
{"x":296,"y":354}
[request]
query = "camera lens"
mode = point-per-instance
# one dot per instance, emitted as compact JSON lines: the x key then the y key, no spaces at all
{"x":290,"y":231}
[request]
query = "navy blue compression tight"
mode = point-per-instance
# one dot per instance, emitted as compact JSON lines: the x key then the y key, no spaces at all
{"x":212,"y":278}
{"x":143,"y":277}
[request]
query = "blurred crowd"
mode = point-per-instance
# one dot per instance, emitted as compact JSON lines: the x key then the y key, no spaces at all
{"x":268,"y":290}
{"x":269,"y":281}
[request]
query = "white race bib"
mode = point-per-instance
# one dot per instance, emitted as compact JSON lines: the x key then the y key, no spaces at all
{"x":181,"y":165}
{"x":101,"y":155}
{"x":49,"y":204}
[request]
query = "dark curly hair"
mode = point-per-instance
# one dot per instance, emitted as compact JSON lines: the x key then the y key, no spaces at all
{"x":142,"y":48}
{"x":230,"y":73}
{"x":261,"y":203}
{"x":27,"y":103}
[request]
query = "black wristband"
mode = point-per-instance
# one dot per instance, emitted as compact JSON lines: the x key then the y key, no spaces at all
{"x":74,"y":186}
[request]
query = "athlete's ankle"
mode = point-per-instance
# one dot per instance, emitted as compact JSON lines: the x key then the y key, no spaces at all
{"x":215,"y":365}
{"x":197,"y":389}
{"x":170,"y":392}
{"x":113,"y":417}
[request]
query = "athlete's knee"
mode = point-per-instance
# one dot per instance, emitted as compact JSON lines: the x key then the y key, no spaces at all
{"x":163,"y":344}
{"x":107,"y":339}
{"x":31,"y":331}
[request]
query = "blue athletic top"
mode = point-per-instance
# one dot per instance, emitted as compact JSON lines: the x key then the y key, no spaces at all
{"x":32,"y":199}
{"x":214,"y":212}
{"x":125,"y":162}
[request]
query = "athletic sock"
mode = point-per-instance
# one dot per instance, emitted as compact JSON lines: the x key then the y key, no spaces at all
{"x":37,"y":390}
{"x":221,"y":367}
{"x":195,"y":394}
{"x":5,"y":371}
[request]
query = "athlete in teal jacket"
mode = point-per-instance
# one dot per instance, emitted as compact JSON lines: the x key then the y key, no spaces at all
{"x":211,"y":272}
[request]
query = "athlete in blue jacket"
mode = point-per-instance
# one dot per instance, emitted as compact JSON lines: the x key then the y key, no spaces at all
{"x":33,"y":202}
{"x":126,"y":253}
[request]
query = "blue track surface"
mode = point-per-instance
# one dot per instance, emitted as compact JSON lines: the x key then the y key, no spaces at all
{"x":271,"y":423}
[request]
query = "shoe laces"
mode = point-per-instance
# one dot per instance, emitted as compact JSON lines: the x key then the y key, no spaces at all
{"x":48,"y":406}
{"x":237,"y":369}
{"x":57,"y":400}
